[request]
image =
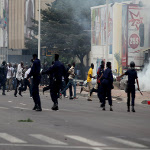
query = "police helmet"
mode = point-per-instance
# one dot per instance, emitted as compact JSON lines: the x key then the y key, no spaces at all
{"x":132,"y":64}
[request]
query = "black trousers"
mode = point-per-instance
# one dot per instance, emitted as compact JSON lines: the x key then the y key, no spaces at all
{"x":100,"y":93}
{"x":131,"y":93}
{"x":3,"y":84}
{"x":19,"y":83}
{"x":54,"y":91}
{"x":35,"y":91}
{"x":26,"y":84}
{"x":106,"y":91}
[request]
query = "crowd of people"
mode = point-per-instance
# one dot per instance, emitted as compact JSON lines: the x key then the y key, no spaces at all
{"x":19,"y":77}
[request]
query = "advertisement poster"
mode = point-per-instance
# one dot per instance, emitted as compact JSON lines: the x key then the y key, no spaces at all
{"x":137,"y":39}
{"x":124,"y":36}
{"x":3,"y":23}
{"x":29,"y":14}
{"x":96,"y":26}
{"x":99,"y":26}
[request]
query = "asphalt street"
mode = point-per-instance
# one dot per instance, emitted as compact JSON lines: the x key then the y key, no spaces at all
{"x":79,"y":125}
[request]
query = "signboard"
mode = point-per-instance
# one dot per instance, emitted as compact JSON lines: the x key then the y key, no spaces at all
{"x":136,"y":34}
{"x":98,"y":26}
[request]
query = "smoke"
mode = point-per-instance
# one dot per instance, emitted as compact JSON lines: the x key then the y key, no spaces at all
{"x":144,"y":78}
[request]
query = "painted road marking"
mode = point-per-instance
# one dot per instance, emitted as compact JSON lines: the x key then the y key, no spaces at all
{"x":22,"y":108}
{"x":4,"y":108}
{"x":85,"y":140}
{"x":126,"y":142}
{"x":69,"y":147}
{"x":23,"y":104}
{"x":11,"y":139}
{"x":48,"y":139}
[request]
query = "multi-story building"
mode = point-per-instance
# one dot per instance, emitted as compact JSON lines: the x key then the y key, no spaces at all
{"x":15,"y":18}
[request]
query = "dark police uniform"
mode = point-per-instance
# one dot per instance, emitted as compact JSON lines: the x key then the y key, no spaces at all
{"x":3,"y":74}
{"x":35,"y":72}
{"x":107,"y":86}
{"x":58,"y":71}
{"x":51,"y":79}
{"x":99,"y":73}
{"x":132,"y":75}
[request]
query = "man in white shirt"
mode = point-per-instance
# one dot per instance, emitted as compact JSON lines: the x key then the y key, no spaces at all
{"x":26,"y":82}
{"x":19,"y":78}
{"x":9,"y":77}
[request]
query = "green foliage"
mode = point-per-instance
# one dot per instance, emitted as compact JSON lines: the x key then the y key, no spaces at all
{"x":28,"y":120}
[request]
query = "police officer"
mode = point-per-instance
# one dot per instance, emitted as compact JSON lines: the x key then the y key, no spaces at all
{"x":99,"y":81}
{"x":107,"y":85}
{"x":3,"y":74}
{"x":50,"y":79}
{"x":35,"y":72}
{"x":132,"y":76}
{"x":58,"y":71}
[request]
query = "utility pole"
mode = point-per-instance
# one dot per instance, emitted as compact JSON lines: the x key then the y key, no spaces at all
{"x":39,"y":31}
{"x":107,"y":25}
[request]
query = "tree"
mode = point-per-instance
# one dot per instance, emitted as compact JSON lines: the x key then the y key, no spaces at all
{"x":63,"y":27}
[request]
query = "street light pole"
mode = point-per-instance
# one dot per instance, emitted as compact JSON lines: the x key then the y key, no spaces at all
{"x":39,"y":31}
{"x":107,"y":25}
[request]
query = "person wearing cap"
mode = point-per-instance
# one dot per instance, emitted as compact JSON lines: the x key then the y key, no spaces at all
{"x":107,"y":85}
{"x":35,"y":73}
{"x":132,"y":76}
{"x":3,"y":75}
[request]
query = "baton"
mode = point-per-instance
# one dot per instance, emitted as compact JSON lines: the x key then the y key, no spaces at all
{"x":141,"y":93}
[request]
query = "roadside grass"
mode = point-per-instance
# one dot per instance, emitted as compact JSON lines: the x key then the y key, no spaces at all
{"x":28,"y":120}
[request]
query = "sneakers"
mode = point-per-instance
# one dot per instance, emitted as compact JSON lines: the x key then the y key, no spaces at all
{"x":89,"y":99}
{"x":133,"y":110}
{"x":60,"y":96}
{"x":15,"y":95}
{"x":66,"y":96}
{"x":71,"y":98}
{"x":81,"y":90}
{"x":75,"y":98}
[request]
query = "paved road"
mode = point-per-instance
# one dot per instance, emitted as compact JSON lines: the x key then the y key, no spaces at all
{"x":78,"y":124}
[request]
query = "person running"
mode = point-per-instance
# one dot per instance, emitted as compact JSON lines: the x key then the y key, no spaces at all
{"x":132,"y":76}
{"x":89,"y":83}
{"x":71,"y":81}
{"x":9,"y":77}
{"x":19,"y":78}
{"x":58,"y":71}
{"x":26,"y":82}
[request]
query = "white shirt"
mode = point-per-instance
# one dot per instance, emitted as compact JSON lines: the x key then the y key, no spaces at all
{"x":9,"y":72}
{"x":27,"y":72}
{"x":19,"y":72}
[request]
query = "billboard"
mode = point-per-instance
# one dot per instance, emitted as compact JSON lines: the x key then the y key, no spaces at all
{"x":98,"y":26}
{"x":29,"y":13}
{"x":3,"y":23}
{"x":137,"y":38}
